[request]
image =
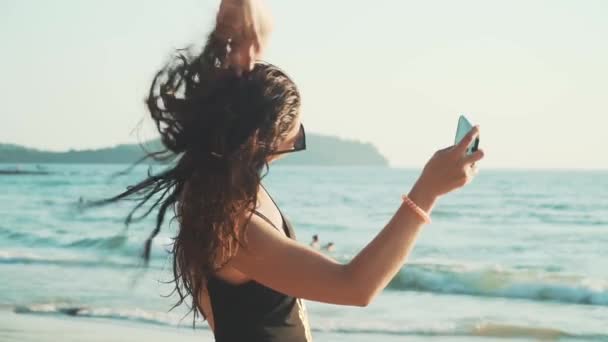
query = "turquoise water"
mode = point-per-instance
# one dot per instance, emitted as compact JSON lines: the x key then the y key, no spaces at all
{"x":515,"y":254}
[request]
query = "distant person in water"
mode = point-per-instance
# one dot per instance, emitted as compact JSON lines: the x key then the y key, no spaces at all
{"x":315,"y":242}
{"x":330,"y":247}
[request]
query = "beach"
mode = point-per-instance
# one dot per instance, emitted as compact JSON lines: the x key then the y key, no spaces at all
{"x":40,"y":328}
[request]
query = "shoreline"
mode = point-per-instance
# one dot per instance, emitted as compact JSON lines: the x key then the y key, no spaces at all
{"x":40,"y":328}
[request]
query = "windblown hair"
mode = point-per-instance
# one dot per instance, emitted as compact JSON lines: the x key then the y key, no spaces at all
{"x":217,"y":130}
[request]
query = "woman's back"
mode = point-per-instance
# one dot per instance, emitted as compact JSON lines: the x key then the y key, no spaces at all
{"x":251,"y":311}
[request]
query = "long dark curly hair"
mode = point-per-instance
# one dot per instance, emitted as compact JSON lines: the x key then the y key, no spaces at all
{"x":217,"y":129}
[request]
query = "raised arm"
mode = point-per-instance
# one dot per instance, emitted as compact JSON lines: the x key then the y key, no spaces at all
{"x":244,"y":25}
{"x":300,"y":271}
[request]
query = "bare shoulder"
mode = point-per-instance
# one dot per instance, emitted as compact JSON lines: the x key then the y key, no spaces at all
{"x":252,"y":235}
{"x":258,"y":239}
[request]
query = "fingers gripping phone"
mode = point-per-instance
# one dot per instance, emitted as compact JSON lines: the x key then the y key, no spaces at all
{"x":464,"y":126}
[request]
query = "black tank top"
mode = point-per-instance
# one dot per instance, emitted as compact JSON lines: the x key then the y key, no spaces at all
{"x":254,"y":312}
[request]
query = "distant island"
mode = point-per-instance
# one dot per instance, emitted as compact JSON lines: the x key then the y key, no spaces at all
{"x":320,"y":150}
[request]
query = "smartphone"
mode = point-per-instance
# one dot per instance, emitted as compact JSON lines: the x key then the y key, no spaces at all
{"x":464,"y":126}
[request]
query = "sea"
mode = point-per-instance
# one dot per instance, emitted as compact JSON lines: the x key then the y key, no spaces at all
{"x":515,"y":255}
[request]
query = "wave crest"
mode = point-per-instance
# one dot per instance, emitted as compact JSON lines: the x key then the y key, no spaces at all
{"x":496,"y":282}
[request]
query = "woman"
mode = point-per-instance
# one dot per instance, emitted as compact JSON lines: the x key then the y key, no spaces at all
{"x":235,"y":253}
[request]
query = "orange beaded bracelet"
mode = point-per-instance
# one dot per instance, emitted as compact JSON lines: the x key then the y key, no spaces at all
{"x":416,"y":209}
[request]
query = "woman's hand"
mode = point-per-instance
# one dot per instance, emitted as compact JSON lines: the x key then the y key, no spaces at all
{"x":448,"y":170}
{"x":244,"y":25}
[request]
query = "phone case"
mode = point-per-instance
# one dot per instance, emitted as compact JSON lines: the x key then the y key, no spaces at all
{"x":464,"y":126}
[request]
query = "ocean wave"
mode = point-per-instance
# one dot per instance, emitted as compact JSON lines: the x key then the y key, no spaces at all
{"x":555,"y":214}
{"x":480,"y":329}
{"x":577,"y":219}
{"x":498,"y":282}
{"x":115,"y":243}
{"x":160,"y":248}
{"x":109,"y":242}
{"x":556,"y":206}
{"x":18,"y":257}
{"x":443,"y":213}
{"x":128,"y":314}
{"x":24,"y":237}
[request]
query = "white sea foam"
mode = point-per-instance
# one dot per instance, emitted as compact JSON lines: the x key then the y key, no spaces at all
{"x":499,"y":282}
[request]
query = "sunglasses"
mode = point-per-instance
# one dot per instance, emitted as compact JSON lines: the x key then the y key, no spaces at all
{"x":298,"y":145}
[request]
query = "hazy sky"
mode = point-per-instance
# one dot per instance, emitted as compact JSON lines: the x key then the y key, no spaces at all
{"x":533,"y":74}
